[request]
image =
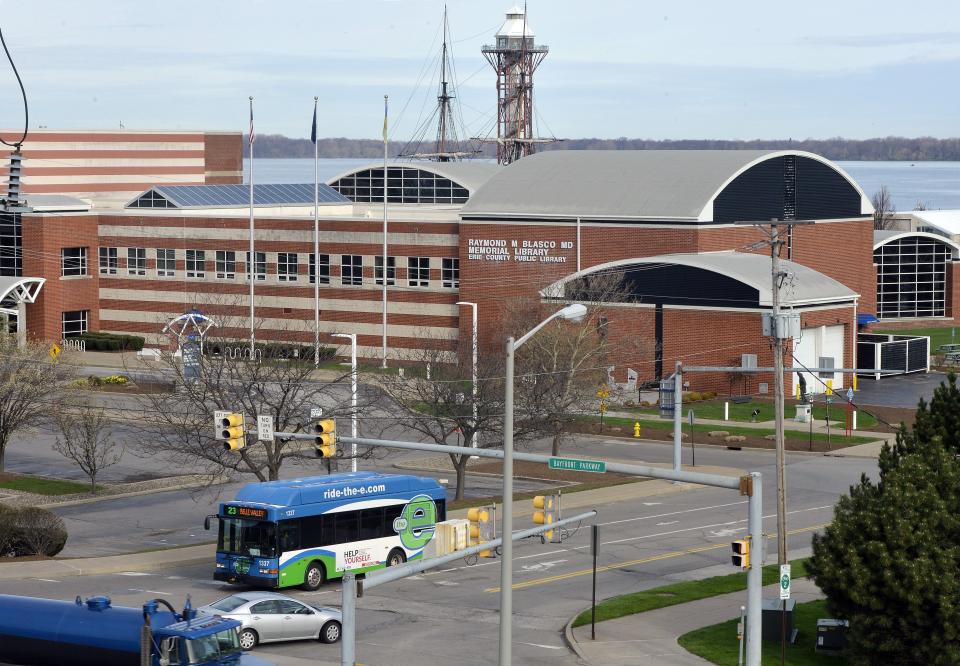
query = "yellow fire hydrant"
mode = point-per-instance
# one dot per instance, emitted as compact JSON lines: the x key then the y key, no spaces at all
{"x":636,"y":429}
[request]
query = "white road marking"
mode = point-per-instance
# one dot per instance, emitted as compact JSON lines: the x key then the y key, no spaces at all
{"x":449,"y":583}
{"x":671,"y":513}
{"x":724,"y":533}
{"x":540,"y":645}
{"x":541,"y":566}
{"x":47,"y":580}
{"x":135,"y":573}
{"x":669,"y":522}
{"x":652,"y":503}
{"x":137,"y":589}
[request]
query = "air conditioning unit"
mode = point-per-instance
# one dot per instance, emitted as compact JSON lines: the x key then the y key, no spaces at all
{"x":449,"y":537}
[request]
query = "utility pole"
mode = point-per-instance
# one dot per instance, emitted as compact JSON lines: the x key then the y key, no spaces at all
{"x":778,"y":331}
{"x":778,"y":397}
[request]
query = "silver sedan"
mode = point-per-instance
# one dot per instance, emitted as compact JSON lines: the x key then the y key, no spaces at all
{"x":266,"y":617}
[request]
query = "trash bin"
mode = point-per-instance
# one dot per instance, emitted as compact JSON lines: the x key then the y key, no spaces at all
{"x":831,"y":635}
{"x":772,"y":618}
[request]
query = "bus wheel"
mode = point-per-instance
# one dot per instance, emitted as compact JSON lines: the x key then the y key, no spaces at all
{"x":396,"y":558}
{"x":314,"y":577}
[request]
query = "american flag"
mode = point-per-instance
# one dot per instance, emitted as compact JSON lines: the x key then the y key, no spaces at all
{"x":251,"y":136}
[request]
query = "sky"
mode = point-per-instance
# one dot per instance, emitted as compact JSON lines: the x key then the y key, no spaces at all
{"x":676,"y":69}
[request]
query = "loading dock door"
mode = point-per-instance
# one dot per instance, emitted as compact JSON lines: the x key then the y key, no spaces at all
{"x":814,"y":347}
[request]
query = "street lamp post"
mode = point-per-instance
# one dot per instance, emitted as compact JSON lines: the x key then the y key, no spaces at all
{"x":573,"y":312}
{"x":473,"y":306}
{"x":353,"y":400}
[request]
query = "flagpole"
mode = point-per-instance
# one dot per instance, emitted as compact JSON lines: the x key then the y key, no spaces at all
{"x":251,"y":261}
{"x":316,"y":241}
{"x":384,"y":272}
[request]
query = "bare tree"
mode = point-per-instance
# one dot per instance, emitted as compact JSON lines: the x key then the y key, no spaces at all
{"x":920,"y":205}
{"x":883,"y":209}
{"x":84,"y":436}
{"x":441,"y":409}
{"x":279,"y":381}
{"x":561,"y":368}
{"x":30,"y":385}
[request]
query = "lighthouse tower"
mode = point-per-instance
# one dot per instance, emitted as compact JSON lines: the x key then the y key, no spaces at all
{"x":515,"y":57}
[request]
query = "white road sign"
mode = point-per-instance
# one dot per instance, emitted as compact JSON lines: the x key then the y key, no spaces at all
{"x":784,"y":581}
{"x":265,"y":428}
{"x":316,"y":412}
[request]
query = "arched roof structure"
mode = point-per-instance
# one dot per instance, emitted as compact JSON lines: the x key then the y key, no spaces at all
{"x":686,"y":186}
{"x":16,"y":290}
{"x":726,"y":280}
{"x":415,"y":182}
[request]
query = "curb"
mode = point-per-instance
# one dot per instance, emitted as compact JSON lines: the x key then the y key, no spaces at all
{"x":108,"y":564}
{"x":194,"y":483}
{"x":572,"y":642}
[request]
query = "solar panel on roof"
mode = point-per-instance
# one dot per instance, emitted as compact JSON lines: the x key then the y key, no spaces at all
{"x":215,"y":196}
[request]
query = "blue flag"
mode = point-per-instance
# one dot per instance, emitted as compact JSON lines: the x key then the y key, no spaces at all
{"x":313,"y":129}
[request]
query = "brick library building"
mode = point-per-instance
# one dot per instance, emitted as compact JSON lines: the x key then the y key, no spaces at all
{"x":122,"y":232}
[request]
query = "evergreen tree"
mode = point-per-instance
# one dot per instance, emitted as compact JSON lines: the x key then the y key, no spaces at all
{"x":889,"y":562}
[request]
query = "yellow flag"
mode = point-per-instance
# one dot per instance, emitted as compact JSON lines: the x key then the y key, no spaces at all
{"x":384,"y":118}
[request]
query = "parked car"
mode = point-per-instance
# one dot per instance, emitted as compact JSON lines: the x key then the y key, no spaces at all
{"x":266,"y":617}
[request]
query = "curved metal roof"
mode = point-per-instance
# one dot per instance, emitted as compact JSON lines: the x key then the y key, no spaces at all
{"x":807,"y":286}
{"x":624,"y":184}
{"x":468,"y":175}
{"x":20,"y":289}
{"x":882,"y":237}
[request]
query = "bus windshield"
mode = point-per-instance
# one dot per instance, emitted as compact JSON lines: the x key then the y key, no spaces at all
{"x":248,"y":537}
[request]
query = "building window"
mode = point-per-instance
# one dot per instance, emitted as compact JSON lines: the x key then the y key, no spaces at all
{"x":261,"y":268}
{"x":108,"y":261}
{"x":451,"y":272}
{"x":73,"y":261}
{"x":287,"y":267}
{"x":391,"y":270}
{"x":226,"y":264}
{"x":166,"y":263}
{"x":324,"y":269}
{"x":418,"y":271}
{"x":136,"y":261}
{"x":912,"y":277}
{"x":351,"y":269}
{"x":196,"y":266}
{"x":74,"y":323}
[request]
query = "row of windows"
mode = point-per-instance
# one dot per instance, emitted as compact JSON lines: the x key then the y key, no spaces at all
{"x":334,"y":528}
{"x":911,"y":278}
{"x":404,"y":185}
{"x":288,"y":266}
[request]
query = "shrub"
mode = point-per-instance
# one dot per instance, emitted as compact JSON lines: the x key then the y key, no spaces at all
{"x":36,"y":531}
{"x":115,"y":379}
{"x":694,"y":396}
{"x":100,"y":341}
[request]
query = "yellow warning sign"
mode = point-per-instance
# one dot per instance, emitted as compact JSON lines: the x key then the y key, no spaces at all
{"x":54,"y":351}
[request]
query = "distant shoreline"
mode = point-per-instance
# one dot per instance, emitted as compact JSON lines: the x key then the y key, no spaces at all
{"x":888,"y":149}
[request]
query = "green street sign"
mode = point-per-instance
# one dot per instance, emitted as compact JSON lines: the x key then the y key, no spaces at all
{"x":577,"y":465}
{"x":784,"y":581}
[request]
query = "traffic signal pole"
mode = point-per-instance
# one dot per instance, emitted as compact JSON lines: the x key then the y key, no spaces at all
{"x":352,"y":588}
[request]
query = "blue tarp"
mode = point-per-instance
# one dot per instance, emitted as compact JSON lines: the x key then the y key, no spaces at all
{"x":864,"y":318}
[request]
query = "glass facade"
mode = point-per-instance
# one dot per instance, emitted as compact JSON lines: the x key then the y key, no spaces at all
{"x":404,"y":185}
{"x":911,"y":277}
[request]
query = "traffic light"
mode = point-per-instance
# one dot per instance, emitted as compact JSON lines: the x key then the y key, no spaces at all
{"x":326,"y":440}
{"x":546,"y":510}
{"x":231,"y":430}
{"x":741,"y":553}
{"x":481,"y":527}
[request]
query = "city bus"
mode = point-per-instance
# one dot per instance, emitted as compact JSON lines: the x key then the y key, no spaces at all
{"x":309,"y":530}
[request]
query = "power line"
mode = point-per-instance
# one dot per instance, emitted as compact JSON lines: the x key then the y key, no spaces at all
{"x":23,"y":92}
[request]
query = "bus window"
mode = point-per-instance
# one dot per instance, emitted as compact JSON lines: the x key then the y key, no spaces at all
{"x":371,"y":523}
{"x":346,"y":526}
{"x":248,"y":537}
{"x":391,"y":513}
{"x":289,"y":535}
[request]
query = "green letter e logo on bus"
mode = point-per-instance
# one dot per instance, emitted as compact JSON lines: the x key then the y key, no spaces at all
{"x":417,"y":522}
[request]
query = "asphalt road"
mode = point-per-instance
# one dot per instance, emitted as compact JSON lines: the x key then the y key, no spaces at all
{"x":899,"y":391}
{"x":450,"y":616}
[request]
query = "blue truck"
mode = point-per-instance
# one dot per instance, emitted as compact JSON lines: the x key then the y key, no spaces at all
{"x":93,"y":632}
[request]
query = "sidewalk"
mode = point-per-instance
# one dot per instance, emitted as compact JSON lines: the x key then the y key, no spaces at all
{"x":788,"y":424}
{"x":651,"y":637}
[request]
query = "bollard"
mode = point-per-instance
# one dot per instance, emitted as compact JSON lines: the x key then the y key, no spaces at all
{"x":726,"y":411}
{"x":854,"y":419}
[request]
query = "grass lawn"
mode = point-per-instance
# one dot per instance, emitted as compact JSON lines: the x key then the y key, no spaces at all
{"x":938,"y":336}
{"x":664,"y":424}
{"x":681,"y":593}
{"x":744,"y":411}
{"x":40,"y":486}
{"x":718,"y":644}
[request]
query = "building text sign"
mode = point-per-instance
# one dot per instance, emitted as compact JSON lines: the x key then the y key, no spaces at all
{"x":517,"y":250}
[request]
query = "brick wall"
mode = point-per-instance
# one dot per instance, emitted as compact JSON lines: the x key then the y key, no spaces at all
{"x":223,"y":158}
{"x":43,"y":238}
